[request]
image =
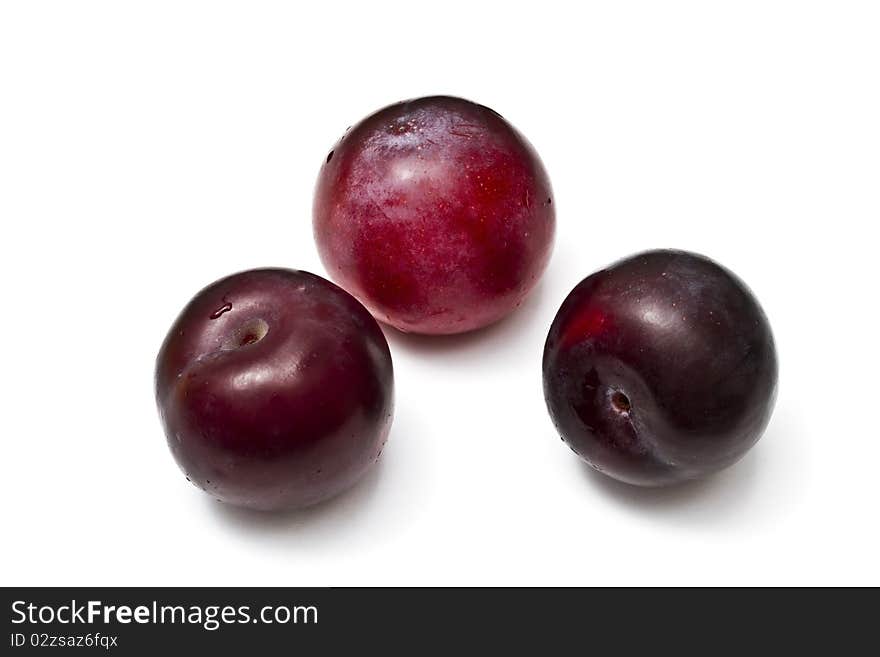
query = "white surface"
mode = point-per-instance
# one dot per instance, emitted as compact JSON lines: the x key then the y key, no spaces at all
{"x":146,"y":150}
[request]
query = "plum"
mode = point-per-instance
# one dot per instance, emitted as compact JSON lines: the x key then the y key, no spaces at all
{"x":660,"y":368}
{"x":275,"y":389}
{"x":436,"y":214}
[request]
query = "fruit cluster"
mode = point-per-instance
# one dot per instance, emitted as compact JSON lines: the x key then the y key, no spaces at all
{"x":275,"y":386}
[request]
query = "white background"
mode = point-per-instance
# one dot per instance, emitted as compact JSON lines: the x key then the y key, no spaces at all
{"x":149,"y":148}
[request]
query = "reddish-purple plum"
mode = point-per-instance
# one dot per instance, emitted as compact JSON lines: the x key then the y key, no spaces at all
{"x":275,"y":389}
{"x":660,"y":368}
{"x":436,"y":213}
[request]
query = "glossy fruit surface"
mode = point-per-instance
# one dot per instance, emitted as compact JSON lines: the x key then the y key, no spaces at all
{"x":660,"y":368}
{"x":436,"y":213}
{"x":275,"y":389}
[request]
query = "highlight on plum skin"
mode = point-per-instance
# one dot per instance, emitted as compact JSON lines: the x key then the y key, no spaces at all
{"x":275,"y":389}
{"x":660,"y":368}
{"x":436,"y":213}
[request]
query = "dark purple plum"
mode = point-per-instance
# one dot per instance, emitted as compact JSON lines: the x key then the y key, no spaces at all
{"x":436,"y":213}
{"x":275,"y":389}
{"x":660,"y":368}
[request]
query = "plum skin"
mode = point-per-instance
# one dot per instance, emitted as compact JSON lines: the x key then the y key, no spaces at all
{"x":436,"y":213}
{"x":275,"y":389}
{"x":660,"y":368}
